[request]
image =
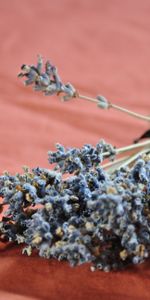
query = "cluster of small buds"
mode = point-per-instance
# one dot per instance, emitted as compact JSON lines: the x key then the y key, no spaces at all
{"x":89,"y":216}
{"x":72,"y":159}
{"x":48,"y":82}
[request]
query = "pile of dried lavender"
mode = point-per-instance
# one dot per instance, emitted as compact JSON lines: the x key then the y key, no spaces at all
{"x":90,"y":216}
{"x":100,"y":213}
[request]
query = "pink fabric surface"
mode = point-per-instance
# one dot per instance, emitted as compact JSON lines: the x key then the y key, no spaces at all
{"x":101,"y":47}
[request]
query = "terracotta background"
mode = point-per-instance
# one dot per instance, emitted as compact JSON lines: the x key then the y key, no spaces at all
{"x":102,"y":47}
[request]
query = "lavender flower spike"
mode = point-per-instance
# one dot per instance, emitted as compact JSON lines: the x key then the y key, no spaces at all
{"x":49,"y":81}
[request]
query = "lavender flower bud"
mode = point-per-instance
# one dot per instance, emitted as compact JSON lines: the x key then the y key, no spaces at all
{"x":102,"y":102}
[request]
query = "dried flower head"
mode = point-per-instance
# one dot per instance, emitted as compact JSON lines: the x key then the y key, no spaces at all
{"x":49,"y":82}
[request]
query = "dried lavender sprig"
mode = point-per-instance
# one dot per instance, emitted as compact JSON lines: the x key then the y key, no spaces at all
{"x":50,"y":83}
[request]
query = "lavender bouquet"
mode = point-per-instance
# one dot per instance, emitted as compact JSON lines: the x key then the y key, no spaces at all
{"x":99,"y":213}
